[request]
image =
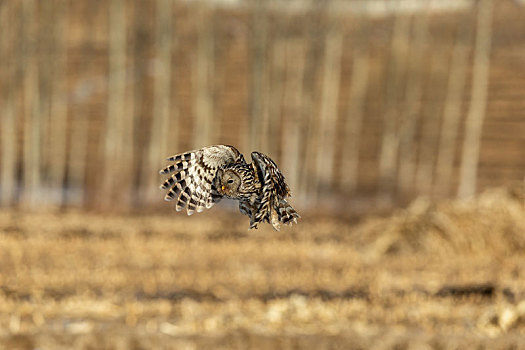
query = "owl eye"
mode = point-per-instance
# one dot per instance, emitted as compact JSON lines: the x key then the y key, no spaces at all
{"x":230,"y":181}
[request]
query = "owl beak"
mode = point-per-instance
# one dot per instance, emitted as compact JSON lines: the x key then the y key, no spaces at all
{"x":223,"y":187}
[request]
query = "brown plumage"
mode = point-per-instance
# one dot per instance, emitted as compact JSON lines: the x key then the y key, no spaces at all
{"x":202,"y":177}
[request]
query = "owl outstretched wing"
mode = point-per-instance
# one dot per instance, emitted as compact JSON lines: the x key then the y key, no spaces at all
{"x":193,"y":174}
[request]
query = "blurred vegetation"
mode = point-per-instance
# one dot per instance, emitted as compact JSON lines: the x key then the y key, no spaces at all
{"x":446,"y":275}
{"x":362,"y":104}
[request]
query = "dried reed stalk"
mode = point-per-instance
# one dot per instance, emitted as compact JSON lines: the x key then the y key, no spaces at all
{"x":478,"y":101}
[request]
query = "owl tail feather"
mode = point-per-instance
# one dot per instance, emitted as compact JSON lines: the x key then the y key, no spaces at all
{"x":280,"y":212}
{"x":285,"y":214}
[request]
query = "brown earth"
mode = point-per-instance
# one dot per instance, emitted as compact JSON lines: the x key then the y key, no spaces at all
{"x":436,"y":275}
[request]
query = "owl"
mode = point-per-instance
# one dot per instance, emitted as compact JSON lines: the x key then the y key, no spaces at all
{"x":202,"y":177}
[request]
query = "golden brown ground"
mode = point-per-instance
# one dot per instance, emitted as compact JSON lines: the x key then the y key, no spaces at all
{"x":448,"y":275}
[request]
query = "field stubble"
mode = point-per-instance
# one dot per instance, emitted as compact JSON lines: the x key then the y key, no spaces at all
{"x":443,"y":275}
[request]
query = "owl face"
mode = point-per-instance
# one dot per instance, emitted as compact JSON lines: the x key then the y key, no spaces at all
{"x":230,"y":184}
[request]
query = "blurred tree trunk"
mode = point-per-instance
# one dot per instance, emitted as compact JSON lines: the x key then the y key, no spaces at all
{"x":58,"y":111}
{"x":142,"y":168}
{"x":478,"y":101}
{"x":47,"y":43}
{"x":355,"y":111}
{"x":328,"y":110}
{"x":452,"y":112}
{"x":388,"y":155}
{"x":412,"y":104}
{"x":8,"y":155}
{"x":258,"y":94}
{"x":276,"y":96}
{"x":203,"y":73}
{"x":8,"y":127}
{"x":162,"y":127}
{"x":114,"y":178}
{"x":76,"y":164}
{"x":428,"y":146}
{"x":293,"y":95}
{"x":80,"y":177}
{"x":126,"y":146}
{"x":315,"y":37}
{"x":32,"y":117}
{"x":267,"y":86}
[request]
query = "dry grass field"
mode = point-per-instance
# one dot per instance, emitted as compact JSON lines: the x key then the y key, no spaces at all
{"x":448,"y":275}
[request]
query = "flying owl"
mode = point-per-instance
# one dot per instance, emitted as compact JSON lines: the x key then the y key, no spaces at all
{"x":202,"y":177}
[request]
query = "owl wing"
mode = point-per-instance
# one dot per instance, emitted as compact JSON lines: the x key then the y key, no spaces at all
{"x":273,"y":207}
{"x":194,"y":172}
{"x":270,"y":175}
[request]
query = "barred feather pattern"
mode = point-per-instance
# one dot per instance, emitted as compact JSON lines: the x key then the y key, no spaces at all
{"x":195,"y":184}
{"x":191,"y":183}
{"x":273,"y":207}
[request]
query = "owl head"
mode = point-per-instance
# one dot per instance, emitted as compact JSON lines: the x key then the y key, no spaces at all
{"x":230,"y":183}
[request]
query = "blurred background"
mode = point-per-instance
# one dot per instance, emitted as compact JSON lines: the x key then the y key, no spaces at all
{"x":359,"y":102}
{"x":399,"y":126}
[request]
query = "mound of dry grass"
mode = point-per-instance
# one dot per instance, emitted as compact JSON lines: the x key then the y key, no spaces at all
{"x":492,"y":223}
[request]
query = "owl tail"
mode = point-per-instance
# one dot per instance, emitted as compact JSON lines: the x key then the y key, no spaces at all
{"x":275,"y":211}
{"x":285,"y":214}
